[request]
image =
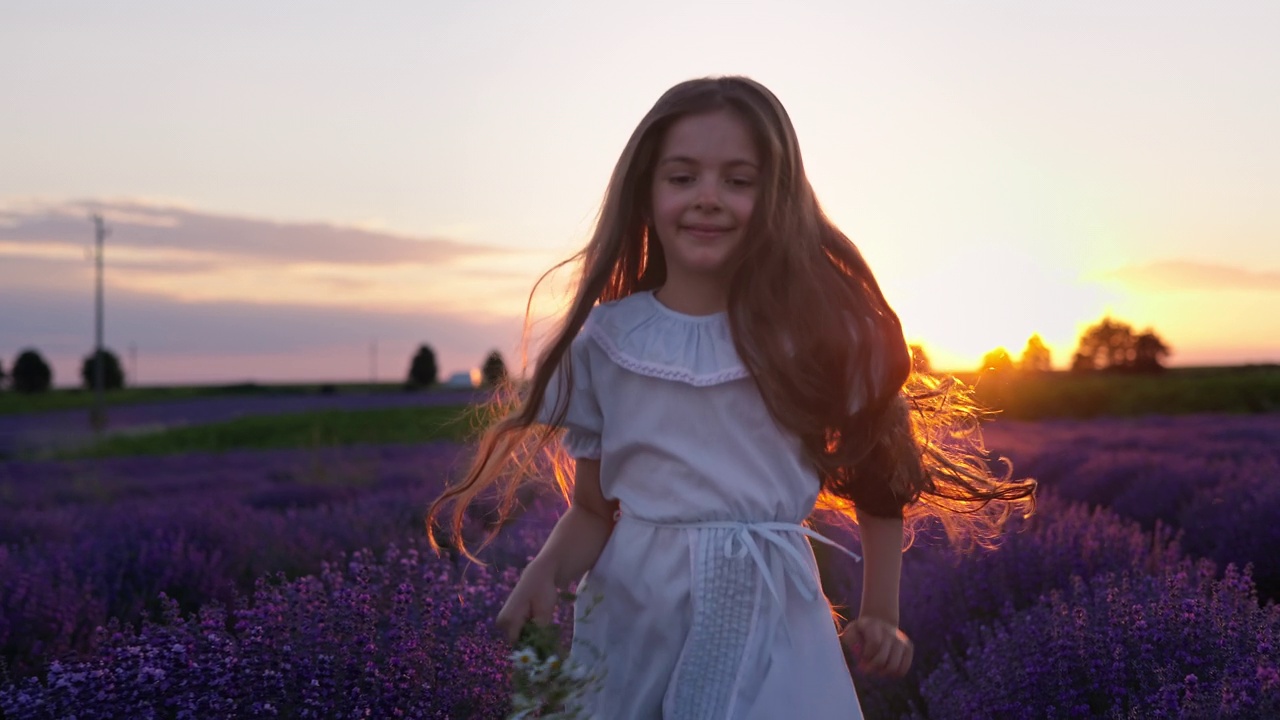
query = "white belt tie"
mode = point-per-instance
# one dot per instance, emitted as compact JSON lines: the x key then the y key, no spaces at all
{"x":744,"y":535}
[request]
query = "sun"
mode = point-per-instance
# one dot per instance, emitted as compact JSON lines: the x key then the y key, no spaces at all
{"x":979,"y":303}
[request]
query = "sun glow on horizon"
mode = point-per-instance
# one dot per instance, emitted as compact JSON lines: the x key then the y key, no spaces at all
{"x":983,"y":301}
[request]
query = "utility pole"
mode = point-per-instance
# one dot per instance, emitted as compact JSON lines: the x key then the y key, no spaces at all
{"x":99,"y":417}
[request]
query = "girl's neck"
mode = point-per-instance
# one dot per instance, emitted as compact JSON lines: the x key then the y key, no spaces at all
{"x":693,"y":298}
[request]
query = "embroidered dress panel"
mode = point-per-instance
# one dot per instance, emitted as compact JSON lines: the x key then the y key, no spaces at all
{"x":705,"y":602}
{"x":706,"y":675}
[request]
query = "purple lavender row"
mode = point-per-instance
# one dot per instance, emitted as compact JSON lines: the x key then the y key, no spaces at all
{"x":1214,"y":477}
{"x":1069,"y":574}
{"x":410,"y":635}
{"x":82,"y":542}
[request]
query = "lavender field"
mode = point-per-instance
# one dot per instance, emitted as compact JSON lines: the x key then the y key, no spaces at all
{"x":296,"y":583}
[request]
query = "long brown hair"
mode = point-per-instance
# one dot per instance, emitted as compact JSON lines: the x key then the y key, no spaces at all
{"x":809,"y":322}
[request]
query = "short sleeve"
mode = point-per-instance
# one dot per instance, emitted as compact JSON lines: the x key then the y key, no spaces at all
{"x":874,"y":497}
{"x":583,"y":421}
{"x":872,"y":489}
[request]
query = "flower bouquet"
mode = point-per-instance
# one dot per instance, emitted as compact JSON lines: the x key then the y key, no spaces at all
{"x":545,"y":682}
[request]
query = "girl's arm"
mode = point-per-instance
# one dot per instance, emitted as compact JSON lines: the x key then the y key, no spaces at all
{"x":882,"y":566}
{"x":580,"y":534}
{"x":874,"y":637}
{"x":572,"y":549}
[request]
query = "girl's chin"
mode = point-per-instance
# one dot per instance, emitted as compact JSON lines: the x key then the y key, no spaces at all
{"x":703,"y":261}
{"x":706,"y":268}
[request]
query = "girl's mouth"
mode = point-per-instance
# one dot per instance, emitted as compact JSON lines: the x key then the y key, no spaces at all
{"x":706,"y":231}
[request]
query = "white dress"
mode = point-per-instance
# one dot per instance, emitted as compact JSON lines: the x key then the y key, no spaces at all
{"x":705,"y":602}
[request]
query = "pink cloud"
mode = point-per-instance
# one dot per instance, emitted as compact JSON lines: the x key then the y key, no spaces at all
{"x":1173,"y":275}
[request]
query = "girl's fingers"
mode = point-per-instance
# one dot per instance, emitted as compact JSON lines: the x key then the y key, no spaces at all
{"x":908,"y":653}
{"x":904,"y":663}
{"x":510,"y":620}
{"x":504,"y":625}
{"x":886,"y":652}
{"x":883,"y":651}
{"x":893,"y":664}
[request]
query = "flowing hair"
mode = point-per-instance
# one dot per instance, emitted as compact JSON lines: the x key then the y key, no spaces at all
{"x":810,"y":324}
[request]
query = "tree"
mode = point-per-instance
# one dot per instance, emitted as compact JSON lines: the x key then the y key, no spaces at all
{"x":31,"y":374}
{"x":1107,"y":345}
{"x":920,"y":361}
{"x":112,"y":372}
{"x":1036,"y":356}
{"x":2,"y":375}
{"x":1112,"y":345}
{"x":1149,"y":353}
{"x":494,"y":369}
{"x":423,"y":371}
{"x":996,"y":361}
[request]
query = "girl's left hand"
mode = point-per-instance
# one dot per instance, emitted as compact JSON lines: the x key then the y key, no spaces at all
{"x":879,"y":646}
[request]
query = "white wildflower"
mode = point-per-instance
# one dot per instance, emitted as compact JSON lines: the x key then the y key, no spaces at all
{"x":540,"y":673}
{"x":524,"y":659}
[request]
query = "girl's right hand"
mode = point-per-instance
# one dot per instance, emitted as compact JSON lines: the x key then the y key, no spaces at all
{"x":533,"y":598}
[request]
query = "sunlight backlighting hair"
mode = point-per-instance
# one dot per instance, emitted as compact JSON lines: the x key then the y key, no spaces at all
{"x":809,"y":322}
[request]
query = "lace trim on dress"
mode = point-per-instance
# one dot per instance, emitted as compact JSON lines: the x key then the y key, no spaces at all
{"x":639,"y":334}
{"x":663,"y":371}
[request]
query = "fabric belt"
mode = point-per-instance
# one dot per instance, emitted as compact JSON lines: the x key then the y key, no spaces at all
{"x":746,"y":538}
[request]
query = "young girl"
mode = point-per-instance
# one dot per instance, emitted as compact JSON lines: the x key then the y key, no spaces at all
{"x":727,"y":364}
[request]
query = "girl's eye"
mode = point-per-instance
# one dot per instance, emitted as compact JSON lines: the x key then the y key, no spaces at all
{"x":741,"y":182}
{"x":680,"y":179}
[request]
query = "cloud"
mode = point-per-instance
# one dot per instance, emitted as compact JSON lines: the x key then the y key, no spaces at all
{"x":177,"y":253}
{"x":1174,"y":275}
{"x":207,"y":297}
{"x":148,"y":226}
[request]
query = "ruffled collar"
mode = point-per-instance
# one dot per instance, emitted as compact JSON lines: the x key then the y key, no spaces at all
{"x":644,"y":336}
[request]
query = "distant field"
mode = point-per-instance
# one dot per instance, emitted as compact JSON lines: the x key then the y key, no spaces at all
{"x":332,"y":428}
{"x":1029,"y":396}
{"x":12,"y":403}
{"x":1180,"y":391}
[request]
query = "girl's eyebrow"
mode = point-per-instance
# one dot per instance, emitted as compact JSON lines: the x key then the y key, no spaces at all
{"x":691,"y":161}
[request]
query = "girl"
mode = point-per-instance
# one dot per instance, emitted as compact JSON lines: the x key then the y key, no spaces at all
{"x":727,"y":364}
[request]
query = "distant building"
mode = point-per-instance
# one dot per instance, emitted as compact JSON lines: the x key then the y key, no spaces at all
{"x":467,"y":379}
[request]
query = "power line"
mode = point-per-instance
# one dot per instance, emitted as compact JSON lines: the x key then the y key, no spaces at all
{"x":99,"y":418}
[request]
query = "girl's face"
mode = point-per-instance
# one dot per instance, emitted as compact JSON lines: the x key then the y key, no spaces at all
{"x":704,"y":189}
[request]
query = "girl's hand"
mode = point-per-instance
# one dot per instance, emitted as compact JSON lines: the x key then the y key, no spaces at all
{"x":533,"y":598}
{"x":879,"y":646}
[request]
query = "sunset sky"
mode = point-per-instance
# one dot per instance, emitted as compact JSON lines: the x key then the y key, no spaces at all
{"x":288,"y":184}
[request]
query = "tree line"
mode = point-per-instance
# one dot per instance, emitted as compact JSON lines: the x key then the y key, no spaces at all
{"x":31,"y":373}
{"x":1108,"y":346}
{"x":423,"y":371}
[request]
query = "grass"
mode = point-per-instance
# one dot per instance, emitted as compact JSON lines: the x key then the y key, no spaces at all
{"x":1179,"y":391}
{"x":1022,"y":396}
{"x":299,"y":430}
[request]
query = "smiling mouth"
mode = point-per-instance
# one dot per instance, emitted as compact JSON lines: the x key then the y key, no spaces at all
{"x":706,"y":230}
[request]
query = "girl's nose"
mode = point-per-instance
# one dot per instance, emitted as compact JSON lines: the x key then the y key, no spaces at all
{"x":708,"y":197}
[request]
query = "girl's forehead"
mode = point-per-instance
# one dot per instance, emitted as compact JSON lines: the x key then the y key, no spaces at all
{"x":707,"y":137}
